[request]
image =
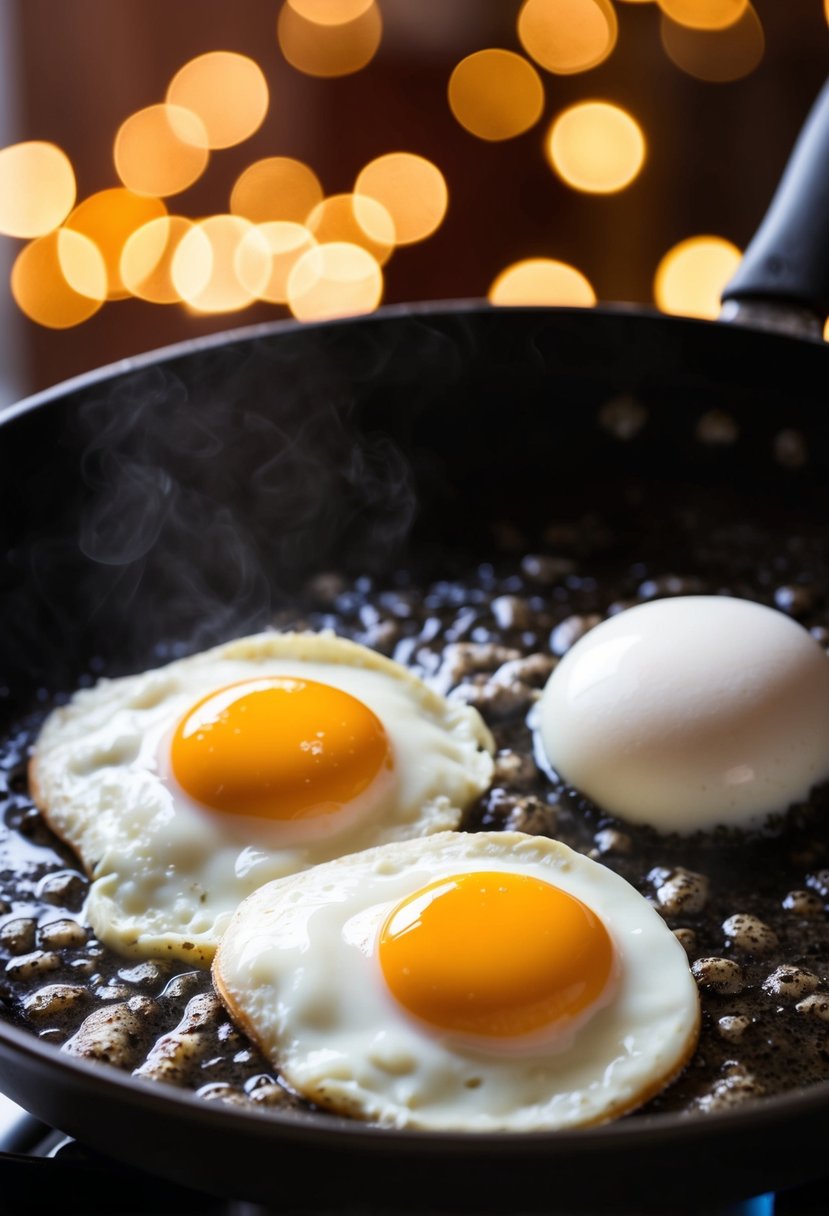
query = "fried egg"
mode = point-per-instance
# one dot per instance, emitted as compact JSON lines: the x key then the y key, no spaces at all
{"x":690,"y":713}
{"x":185,"y":788}
{"x":465,"y":981}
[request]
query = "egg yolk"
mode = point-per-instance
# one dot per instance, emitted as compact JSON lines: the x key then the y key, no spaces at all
{"x":279,"y":748}
{"x":494,"y":953}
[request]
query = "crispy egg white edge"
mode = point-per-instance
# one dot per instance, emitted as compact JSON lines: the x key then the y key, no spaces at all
{"x":68,"y":751}
{"x":373,"y":1072}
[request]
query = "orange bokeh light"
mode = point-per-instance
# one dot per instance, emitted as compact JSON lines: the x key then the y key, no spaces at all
{"x":355,"y":219}
{"x":37,"y":188}
{"x":337,"y":280}
{"x":496,"y":94}
{"x":704,"y":14}
{"x":330,"y":12}
{"x":204,"y":265}
{"x":109,"y":218}
{"x":276,"y":188}
{"x":161,"y":150}
{"x":329,"y":50}
{"x":596,"y":147}
{"x":567,"y":36}
{"x":412,"y":190}
{"x":59,"y":280}
{"x":719,"y":55}
{"x":691,"y":276}
{"x":541,"y":281}
{"x":147,"y":258}
{"x":227,"y":91}
{"x":286,"y":242}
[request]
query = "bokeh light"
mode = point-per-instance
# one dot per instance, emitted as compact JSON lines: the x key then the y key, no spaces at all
{"x":336,"y":280}
{"x":691,"y":276}
{"x":541,"y":281}
{"x":228,"y":92}
{"x":412,"y":190}
{"x":59,"y":280}
{"x":704,"y":14}
{"x":109,"y":219}
{"x":330,"y":12}
{"x":329,"y":50}
{"x":716,"y":55}
{"x":596,"y":147}
{"x":147,"y":257}
{"x":37,"y":188}
{"x":356,"y":220}
{"x":204,"y":266}
{"x":496,"y":94}
{"x":276,"y":188}
{"x":161,"y":150}
{"x":286,"y":242}
{"x":567,"y":36}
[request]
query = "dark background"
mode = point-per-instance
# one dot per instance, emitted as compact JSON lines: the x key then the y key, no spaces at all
{"x":71,"y":72}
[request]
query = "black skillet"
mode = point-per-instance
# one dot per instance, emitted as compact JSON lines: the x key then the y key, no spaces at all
{"x":185,"y":494}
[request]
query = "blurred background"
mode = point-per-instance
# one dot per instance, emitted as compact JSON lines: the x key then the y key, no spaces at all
{"x":172,"y":169}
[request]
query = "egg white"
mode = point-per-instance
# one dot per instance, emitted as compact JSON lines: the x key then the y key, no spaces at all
{"x":169,"y":873}
{"x":298,"y":969}
{"x":691,"y":713}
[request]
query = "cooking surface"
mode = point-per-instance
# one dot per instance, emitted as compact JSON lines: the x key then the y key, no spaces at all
{"x":673,"y":402}
{"x":491,"y":634}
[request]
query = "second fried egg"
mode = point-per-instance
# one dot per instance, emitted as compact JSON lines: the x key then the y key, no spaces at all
{"x":184,"y":789}
{"x":468,"y":981}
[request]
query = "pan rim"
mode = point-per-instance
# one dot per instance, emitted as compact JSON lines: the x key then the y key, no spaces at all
{"x":447,"y":309}
{"x":340,"y":1132}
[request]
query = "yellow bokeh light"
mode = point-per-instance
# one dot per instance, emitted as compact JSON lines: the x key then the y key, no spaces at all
{"x":329,"y":50}
{"x":496,"y":94}
{"x":147,"y":259}
{"x":228,"y":92}
{"x":204,"y":266}
{"x":704,"y":14}
{"x":109,"y":219}
{"x":337,"y":280}
{"x":716,"y":55}
{"x":161,"y":150}
{"x":276,"y":188}
{"x":567,"y":36}
{"x":596,"y":147}
{"x":59,"y":280}
{"x":37,"y":188}
{"x":286,"y":242}
{"x":691,"y":276}
{"x":541,"y":281}
{"x":356,"y":220}
{"x":412,"y":190}
{"x":330,"y":12}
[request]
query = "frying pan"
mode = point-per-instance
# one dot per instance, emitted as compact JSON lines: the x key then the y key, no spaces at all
{"x":186,"y":494}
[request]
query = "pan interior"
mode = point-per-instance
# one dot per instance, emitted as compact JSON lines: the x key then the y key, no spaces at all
{"x":200,"y":496}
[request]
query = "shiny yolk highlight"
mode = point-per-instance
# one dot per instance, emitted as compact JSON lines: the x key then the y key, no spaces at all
{"x":279,"y":748}
{"x":495,"y":953}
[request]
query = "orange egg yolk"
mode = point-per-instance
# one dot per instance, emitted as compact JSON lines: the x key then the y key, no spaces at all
{"x":493,"y":953}
{"x":279,"y":748}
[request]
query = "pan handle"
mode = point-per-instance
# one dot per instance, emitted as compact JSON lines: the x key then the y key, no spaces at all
{"x":784,"y":274}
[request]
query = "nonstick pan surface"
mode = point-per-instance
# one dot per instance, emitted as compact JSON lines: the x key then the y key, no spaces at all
{"x":184,"y":497}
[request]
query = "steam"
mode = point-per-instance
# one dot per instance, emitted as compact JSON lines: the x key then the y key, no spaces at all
{"x":212,"y":487}
{"x":175,"y":505}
